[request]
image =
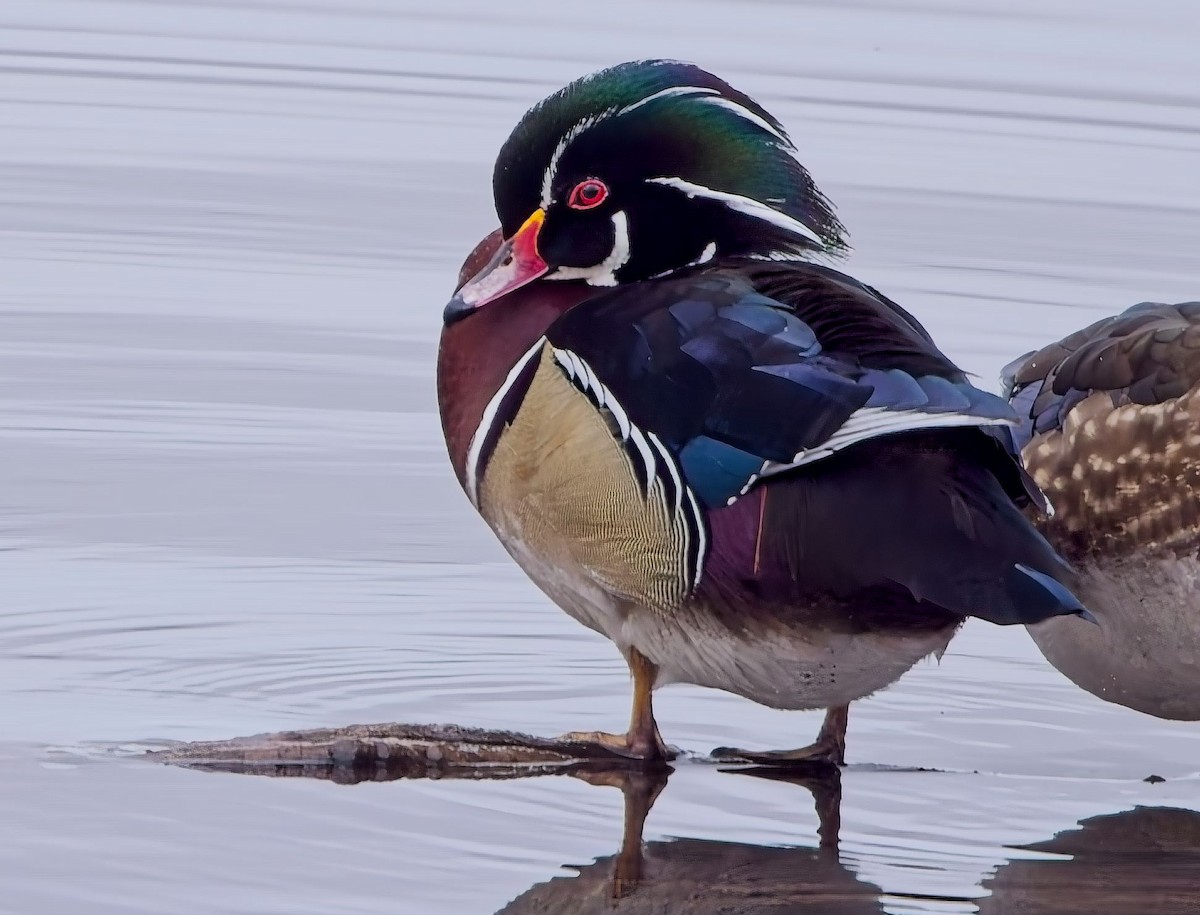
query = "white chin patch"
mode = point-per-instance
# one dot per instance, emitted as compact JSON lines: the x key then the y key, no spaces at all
{"x":605,"y":272}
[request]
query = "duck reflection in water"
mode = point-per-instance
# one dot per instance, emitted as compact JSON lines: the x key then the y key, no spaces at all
{"x":695,"y":876}
{"x":683,"y":876}
{"x":1142,"y":860}
{"x":1138,"y":861}
{"x":1131,"y":863}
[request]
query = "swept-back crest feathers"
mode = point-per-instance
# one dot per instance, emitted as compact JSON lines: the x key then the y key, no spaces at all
{"x":692,"y":132}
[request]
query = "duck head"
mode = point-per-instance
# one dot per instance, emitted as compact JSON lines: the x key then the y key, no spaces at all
{"x":631,"y":173}
{"x":640,"y":170}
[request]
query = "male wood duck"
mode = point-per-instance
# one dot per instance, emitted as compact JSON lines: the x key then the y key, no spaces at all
{"x":749,"y":471}
{"x":1111,"y":432}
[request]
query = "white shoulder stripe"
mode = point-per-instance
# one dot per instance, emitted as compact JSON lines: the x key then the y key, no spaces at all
{"x":563,"y":358}
{"x":873,"y":422}
{"x":653,"y":454}
{"x":701,"y":537}
{"x":682,"y":491}
{"x":643,"y":447}
{"x":669,"y":463}
{"x":593,"y":383}
{"x":471,"y":470}
{"x":619,"y":415}
{"x":746,"y":205}
{"x":577,"y":365}
{"x":585,"y":377}
{"x":869,"y":422}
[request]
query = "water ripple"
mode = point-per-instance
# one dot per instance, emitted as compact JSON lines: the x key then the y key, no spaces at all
{"x":228,"y":226}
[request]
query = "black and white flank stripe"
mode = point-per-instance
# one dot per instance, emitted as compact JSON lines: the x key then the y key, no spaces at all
{"x":650,"y":461}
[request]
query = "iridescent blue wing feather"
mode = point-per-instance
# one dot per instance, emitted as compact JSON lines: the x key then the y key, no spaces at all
{"x":740,"y":387}
{"x":832,"y":449}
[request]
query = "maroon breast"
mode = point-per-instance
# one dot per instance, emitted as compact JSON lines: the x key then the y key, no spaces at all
{"x":476,"y":353}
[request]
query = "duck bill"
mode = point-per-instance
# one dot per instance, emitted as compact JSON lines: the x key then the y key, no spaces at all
{"x":515,"y":263}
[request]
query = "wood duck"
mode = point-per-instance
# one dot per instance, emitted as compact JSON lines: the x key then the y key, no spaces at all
{"x":749,"y":471}
{"x":1111,"y":432}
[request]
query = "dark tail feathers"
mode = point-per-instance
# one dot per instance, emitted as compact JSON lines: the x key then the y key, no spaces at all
{"x":924,"y":516}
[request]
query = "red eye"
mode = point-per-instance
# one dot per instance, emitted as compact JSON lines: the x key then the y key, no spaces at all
{"x":591,"y":192}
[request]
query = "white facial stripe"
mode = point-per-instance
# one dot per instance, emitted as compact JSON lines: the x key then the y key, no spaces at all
{"x":747,"y":115}
{"x":746,"y":205}
{"x":619,"y":256}
{"x":567,"y":139}
{"x":471,"y":470}
{"x":605,"y":272}
{"x":667,"y":93}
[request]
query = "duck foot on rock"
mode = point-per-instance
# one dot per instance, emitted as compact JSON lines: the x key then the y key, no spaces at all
{"x":642,"y":741}
{"x":626,"y":746}
{"x":829,"y":749}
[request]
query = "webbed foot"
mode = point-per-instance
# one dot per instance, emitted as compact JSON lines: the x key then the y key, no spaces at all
{"x":829,"y":749}
{"x":648,"y":748}
{"x":818,"y":753}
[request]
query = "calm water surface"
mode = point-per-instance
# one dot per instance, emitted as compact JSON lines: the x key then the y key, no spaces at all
{"x":226,"y":234}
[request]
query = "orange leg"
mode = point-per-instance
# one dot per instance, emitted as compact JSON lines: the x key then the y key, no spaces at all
{"x":642,"y":741}
{"x":641,"y":790}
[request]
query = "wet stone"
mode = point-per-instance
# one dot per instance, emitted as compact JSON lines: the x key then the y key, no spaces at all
{"x":386,"y":751}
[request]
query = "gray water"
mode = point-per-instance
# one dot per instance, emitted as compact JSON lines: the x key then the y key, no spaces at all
{"x":226,"y":233}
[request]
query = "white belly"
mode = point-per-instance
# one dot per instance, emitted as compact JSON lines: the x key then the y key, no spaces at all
{"x":785,"y":668}
{"x":559,"y":492}
{"x":1145,"y":654}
